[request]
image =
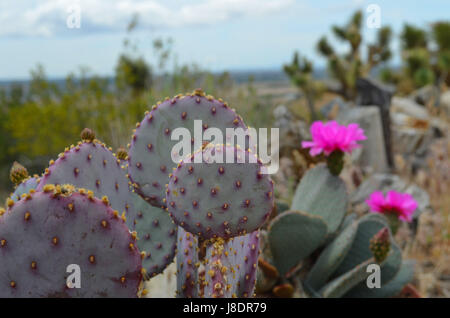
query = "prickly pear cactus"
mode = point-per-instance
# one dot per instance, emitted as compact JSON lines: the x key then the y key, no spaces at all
{"x":187,"y":265}
{"x":214,"y":199}
{"x":157,"y":236}
{"x":335,"y":250}
{"x":404,"y":275}
{"x":244,"y":251}
{"x":293,"y":236}
{"x":231,"y":266}
{"x":91,"y":165}
{"x":331,"y":258}
{"x":150,"y":153}
{"x":44,"y":233}
{"x":342,"y":284}
{"x":217,"y":270}
{"x":323,"y":194}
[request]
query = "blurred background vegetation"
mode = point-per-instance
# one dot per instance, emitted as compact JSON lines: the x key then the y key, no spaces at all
{"x":38,"y":119}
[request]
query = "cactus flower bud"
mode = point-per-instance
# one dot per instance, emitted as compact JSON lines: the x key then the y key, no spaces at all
{"x":380,"y":245}
{"x":18,"y":173}
{"x":87,"y":135}
{"x":122,"y":153}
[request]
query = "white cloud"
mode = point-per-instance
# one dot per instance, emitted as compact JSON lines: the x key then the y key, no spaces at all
{"x":48,"y":17}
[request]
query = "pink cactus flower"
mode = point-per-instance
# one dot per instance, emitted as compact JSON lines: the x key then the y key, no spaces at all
{"x":401,"y":204}
{"x":331,"y":136}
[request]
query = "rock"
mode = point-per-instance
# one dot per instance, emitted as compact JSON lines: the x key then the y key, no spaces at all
{"x":413,"y":130}
{"x":371,"y":92}
{"x":439,"y":126}
{"x":372,"y":155}
{"x":423,"y":95}
{"x":163,"y":285}
{"x":421,"y":196}
{"x":379,"y":181}
{"x":411,"y":141}
{"x":282,"y":115}
{"x":409,"y":107}
{"x":445,"y":101}
{"x":399,"y":119}
{"x":331,"y":109}
{"x":292,"y":131}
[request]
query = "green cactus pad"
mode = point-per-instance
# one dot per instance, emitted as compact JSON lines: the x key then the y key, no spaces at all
{"x":368,"y":226}
{"x":330,"y":258}
{"x":348,"y":220}
{"x":342,"y":284}
{"x":226,"y":199}
{"x":267,"y":274}
{"x":389,"y":269}
{"x":281,"y":207}
{"x":150,"y":153}
{"x":157,"y":236}
{"x":320,"y":193}
{"x":390,"y":289}
{"x":359,"y":252}
{"x":293,"y":236}
{"x":44,"y":234}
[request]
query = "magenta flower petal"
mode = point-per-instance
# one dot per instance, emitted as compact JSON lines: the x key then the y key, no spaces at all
{"x":331,"y":136}
{"x":376,"y":201}
{"x":401,"y":204}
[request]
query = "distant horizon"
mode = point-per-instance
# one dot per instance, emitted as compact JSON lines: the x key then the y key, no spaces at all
{"x":319,"y":72}
{"x":242,"y":71}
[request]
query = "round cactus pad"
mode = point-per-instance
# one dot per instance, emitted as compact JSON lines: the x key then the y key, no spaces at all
{"x":219,"y":197}
{"x":92,"y":166}
{"x":45,"y":236}
{"x":151,"y":148}
{"x":293,"y":236}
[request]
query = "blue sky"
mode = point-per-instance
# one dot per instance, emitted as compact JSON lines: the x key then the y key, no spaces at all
{"x":217,"y":34}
